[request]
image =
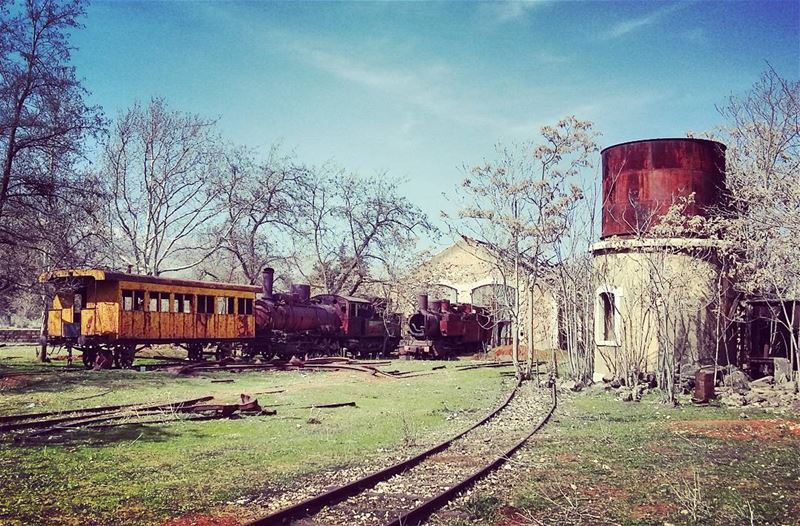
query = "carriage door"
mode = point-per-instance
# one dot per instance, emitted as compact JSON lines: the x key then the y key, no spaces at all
{"x":360,"y":319}
{"x":73,"y":330}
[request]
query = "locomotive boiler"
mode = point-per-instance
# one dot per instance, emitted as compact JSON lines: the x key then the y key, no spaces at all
{"x":444,"y":329}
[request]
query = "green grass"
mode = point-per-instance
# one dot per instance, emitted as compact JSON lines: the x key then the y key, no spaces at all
{"x":607,"y":462}
{"x":143,"y":474}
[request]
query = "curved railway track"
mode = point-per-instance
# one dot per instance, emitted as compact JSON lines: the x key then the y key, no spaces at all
{"x":408,"y":492}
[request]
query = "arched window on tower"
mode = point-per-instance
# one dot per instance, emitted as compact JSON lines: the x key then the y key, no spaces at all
{"x":607,"y":317}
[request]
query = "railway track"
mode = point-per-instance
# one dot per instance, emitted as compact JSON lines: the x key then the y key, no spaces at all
{"x":408,"y":492}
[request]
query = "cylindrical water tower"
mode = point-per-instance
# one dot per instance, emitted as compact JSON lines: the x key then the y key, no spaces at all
{"x":656,"y":294}
{"x":642,"y":179}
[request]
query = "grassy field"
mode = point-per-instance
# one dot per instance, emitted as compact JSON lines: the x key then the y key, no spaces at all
{"x":144,"y":474}
{"x":602,"y":461}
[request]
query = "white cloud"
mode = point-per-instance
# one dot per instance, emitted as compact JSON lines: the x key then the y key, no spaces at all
{"x":549,"y":57}
{"x":504,"y":11}
{"x":635,"y":24}
{"x":695,"y":36}
{"x":429,"y":88}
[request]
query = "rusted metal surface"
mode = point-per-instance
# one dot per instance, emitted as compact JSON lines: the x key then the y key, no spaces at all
{"x":441,"y":329}
{"x":703,"y":386}
{"x":248,"y":405}
{"x":39,"y":420}
{"x":330,"y":406}
{"x":642,"y":179}
{"x":313,"y":504}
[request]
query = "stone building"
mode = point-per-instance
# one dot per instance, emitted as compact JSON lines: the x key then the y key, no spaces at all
{"x":468,"y":272}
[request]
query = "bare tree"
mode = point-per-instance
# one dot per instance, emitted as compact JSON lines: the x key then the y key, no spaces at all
{"x":519,"y":205}
{"x":160,"y":165}
{"x":763,"y":161}
{"x":42,"y":108}
{"x":359,"y":230}
{"x":48,"y":202}
{"x":257,"y":198}
{"x":573,"y":282}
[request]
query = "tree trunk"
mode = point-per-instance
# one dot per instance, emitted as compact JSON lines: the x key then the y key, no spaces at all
{"x":43,"y":332}
{"x":515,"y":321}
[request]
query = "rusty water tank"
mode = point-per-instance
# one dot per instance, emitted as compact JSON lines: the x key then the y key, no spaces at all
{"x":642,"y":179}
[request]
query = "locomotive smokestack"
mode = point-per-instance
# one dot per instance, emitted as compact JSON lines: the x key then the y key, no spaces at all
{"x":267,"y":276}
{"x":422,"y":302}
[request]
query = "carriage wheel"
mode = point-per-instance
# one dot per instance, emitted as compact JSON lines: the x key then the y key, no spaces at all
{"x":223,"y":351}
{"x":125,"y":357}
{"x":195,"y":352}
{"x":89,"y":357}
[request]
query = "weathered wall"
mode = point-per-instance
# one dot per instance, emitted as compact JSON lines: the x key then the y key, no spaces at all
{"x":19,"y":335}
{"x":466,"y":266}
{"x":665,"y":296}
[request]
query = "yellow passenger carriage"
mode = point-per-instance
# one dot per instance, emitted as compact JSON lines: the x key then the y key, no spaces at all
{"x":110,"y":315}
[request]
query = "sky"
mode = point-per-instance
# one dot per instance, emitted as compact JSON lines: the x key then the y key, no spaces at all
{"x":419,"y":90}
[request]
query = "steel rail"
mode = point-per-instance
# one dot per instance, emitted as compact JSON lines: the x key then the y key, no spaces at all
{"x":314,"y":504}
{"x":39,"y":420}
{"x":430,"y":506}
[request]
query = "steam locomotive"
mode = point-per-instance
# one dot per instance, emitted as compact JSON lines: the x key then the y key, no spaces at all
{"x":327,"y":324}
{"x":446,"y":329}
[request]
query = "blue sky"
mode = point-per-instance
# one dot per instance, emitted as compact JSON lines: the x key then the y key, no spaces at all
{"x":419,"y":89}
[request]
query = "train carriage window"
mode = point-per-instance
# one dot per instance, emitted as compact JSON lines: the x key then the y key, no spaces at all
{"x":138,"y":300}
{"x":188,"y":300}
{"x":205,"y":304}
{"x":159,"y":302}
{"x":224,"y":305}
{"x":164,"y":306}
{"x":245,"y":306}
{"x":182,"y":303}
{"x":127,"y":300}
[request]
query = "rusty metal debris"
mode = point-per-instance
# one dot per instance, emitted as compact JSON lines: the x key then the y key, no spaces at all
{"x":329,"y":406}
{"x":32,"y":419}
{"x":103,"y":415}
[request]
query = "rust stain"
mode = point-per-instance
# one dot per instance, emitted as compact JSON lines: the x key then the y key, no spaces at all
{"x":642,"y":179}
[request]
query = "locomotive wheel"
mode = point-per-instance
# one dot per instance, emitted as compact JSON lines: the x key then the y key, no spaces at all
{"x":248,"y":351}
{"x":105,"y":359}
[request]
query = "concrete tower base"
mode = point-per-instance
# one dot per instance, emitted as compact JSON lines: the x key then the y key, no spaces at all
{"x":656,"y":298}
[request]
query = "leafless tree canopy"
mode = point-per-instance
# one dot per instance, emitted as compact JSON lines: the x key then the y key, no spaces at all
{"x":47,"y":200}
{"x":357,"y":231}
{"x":259,"y":215}
{"x":160,"y":164}
{"x":519,"y":205}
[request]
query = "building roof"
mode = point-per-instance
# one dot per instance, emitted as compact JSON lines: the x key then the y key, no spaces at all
{"x":108,"y":275}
